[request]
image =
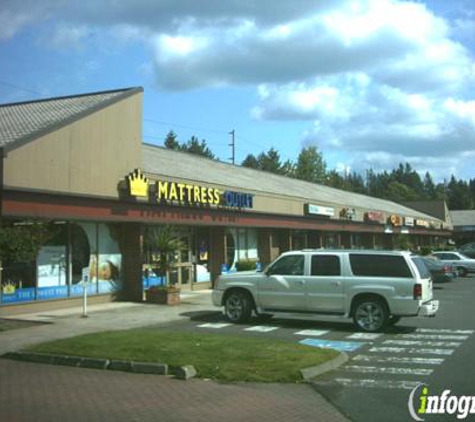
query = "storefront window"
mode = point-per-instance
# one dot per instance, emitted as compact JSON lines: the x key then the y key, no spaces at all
{"x":72,"y":251}
{"x":331,"y":241}
{"x":109,"y":259}
{"x":299,"y":240}
{"x":240,"y":244}
{"x":356,"y":241}
{"x":52,"y":265}
{"x":202,"y":258}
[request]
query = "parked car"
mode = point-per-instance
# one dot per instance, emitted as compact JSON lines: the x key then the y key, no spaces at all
{"x":468,"y":249}
{"x":375,"y":288}
{"x":439,"y":271}
{"x":461,"y":262}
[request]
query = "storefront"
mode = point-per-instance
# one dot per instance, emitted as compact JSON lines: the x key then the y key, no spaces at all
{"x":78,"y":165}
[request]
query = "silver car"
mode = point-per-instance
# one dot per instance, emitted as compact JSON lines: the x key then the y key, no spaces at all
{"x":461,"y":262}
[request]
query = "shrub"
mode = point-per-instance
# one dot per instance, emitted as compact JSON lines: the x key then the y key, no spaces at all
{"x":246,"y":264}
{"x":425,"y":250}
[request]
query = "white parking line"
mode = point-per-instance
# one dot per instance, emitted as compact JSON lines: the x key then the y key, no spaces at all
{"x":444,"y":331}
{"x":390,"y":370}
{"x":364,"y":336}
{"x":261,"y":328}
{"x":397,"y":359}
{"x":412,"y":351}
{"x":363,"y":383}
{"x":216,"y":325}
{"x":311,"y":333}
{"x":434,"y":336}
{"x":422,"y":343}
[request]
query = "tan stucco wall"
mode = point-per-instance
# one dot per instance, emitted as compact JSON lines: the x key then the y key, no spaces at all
{"x":87,"y":157}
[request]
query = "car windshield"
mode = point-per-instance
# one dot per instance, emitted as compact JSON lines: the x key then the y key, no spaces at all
{"x":464,"y":256}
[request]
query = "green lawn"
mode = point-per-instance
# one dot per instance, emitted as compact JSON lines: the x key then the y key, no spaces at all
{"x":219,"y":357}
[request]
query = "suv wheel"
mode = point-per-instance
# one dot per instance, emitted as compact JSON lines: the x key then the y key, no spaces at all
{"x":238,"y":307}
{"x":370,"y":315}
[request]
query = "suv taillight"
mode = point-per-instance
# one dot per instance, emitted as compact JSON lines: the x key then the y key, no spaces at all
{"x":417,"y":291}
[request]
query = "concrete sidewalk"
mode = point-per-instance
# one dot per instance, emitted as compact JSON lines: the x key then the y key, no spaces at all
{"x":69,"y":322}
{"x":53,"y":393}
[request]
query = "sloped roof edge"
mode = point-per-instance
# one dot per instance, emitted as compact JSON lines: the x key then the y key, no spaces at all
{"x":126,"y":92}
{"x":349,"y":197}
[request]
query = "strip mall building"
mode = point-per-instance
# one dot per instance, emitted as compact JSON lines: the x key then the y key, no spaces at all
{"x":79,"y":163}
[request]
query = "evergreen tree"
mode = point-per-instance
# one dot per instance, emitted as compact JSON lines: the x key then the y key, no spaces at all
{"x":335,"y":180}
{"x":399,"y":192}
{"x":270,"y":161}
{"x":458,"y":195}
{"x":251,"y":162}
{"x":355,"y":183}
{"x":311,"y":166}
{"x":171,"y":141}
{"x":196,"y":147}
{"x":429,"y":187}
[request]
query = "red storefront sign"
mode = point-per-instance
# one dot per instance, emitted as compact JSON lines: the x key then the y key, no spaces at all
{"x":374,"y":217}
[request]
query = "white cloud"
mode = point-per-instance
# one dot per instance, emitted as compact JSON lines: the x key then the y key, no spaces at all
{"x":384,"y":80}
{"x":67,"y":36}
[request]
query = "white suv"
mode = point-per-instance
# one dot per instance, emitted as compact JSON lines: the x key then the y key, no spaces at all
{"x":375,"y":288}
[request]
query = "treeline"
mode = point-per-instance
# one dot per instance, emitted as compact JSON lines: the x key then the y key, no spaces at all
{"x":402,"y":184}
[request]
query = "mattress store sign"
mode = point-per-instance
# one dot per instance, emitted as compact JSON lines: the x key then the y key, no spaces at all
{"x":160,"y":191}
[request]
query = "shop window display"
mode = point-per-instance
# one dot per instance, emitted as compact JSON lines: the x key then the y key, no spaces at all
{"x":241,"y":244}
{"x":72,"y":249}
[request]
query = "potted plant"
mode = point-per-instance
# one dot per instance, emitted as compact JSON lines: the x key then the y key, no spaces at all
{"x":164,"y":243}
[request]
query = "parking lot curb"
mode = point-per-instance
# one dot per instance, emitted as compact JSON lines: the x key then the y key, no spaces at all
{"x":185,"y":372}
{"x":314,"y":371}
{"x":63,"y":360}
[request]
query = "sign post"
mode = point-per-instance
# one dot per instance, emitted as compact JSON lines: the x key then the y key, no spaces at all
{"x":85,"y":283}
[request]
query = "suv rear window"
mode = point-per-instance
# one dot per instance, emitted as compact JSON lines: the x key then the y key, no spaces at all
{"x":379,"y":265}
{"x":325,"y":265}
{"x":422,"y":266}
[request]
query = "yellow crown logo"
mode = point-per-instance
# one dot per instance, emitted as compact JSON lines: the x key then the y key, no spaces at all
{"x":138,"y":183}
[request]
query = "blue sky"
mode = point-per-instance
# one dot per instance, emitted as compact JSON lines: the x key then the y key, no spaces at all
{"x":370,"y":82}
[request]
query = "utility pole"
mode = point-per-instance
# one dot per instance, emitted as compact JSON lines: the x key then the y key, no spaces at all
{"x":233,"y":146}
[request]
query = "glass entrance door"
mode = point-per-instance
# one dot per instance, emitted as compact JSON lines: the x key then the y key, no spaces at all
{"x":182,"y":270}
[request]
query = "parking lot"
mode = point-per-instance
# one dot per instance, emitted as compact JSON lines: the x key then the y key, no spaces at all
{"x":384,"y":367}
{"x":373,"y":385}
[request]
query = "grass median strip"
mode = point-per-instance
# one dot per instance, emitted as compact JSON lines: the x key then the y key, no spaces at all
{"x":219,"y":357}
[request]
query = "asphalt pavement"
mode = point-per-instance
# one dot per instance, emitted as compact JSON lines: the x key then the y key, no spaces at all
{"x":384,"y":368}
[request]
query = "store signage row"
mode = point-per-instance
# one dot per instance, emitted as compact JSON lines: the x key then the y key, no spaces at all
{"x":395,"y":220}
{"x":374,"y":217}
{"x":348,"y":213}
{"x":312,"y":209}
{"x":139,"y":186}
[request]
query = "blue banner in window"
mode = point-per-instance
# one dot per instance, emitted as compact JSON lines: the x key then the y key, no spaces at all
{"x":19,"y":295}
{"x":56,"y":292}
